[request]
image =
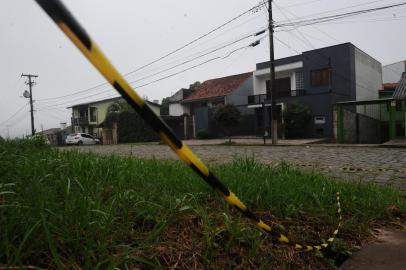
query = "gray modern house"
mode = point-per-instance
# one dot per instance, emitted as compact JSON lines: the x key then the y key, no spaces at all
{"x":317,"y":79}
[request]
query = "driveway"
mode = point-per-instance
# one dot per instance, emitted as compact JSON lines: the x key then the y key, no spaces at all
{"x":385,"y":166}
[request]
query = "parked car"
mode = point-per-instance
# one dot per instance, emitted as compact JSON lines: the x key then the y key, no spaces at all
{"x":81,"y":138}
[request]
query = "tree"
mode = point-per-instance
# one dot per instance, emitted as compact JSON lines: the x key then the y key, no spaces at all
{"x":194,"y":85}
{"x":114,"y":110}
{"x":296,"y":118}
{"x":165,"y":106}
{"x":228,"y":117}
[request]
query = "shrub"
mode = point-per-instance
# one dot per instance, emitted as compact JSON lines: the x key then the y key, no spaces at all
{"x":296,"y":117}
{"x":228,"y":117}
{"x":202,"y":134}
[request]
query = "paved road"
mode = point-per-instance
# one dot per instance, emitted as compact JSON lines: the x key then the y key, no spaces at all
{"x":380,"y":165}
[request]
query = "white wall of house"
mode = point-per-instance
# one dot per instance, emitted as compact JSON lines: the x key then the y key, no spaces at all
{"x":368,"y":76}
{"x":282,"y":71}
{"x":177,"y":109}
{"x":393,"y":72}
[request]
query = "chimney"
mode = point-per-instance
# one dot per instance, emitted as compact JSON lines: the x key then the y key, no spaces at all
{"x":63,"y":126}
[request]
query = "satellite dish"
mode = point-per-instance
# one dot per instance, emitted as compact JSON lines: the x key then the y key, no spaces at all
{"x":26,"y":94}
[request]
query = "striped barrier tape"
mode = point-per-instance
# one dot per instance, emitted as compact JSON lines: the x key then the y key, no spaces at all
{"x":68,"y":24}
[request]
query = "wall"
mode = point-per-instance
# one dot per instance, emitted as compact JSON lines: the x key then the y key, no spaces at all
{"x":283,"y":71}
{"x":368,"y":76}
{"x":176,"y":109}
{"x":392,"y":73}
{"x":240,"y":95}
{"x":340,"y":59}
{"x":320,"y":105}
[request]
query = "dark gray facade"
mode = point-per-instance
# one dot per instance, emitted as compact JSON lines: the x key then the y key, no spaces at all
{"x":351,"y":74}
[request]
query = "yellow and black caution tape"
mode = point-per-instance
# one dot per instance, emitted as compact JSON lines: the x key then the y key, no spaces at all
{"x":68,"y":24}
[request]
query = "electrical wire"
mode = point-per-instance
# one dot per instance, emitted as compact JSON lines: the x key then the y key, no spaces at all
{"x":14,"y":114}
{"x":164,"y":56}
{"x":336,"y":16}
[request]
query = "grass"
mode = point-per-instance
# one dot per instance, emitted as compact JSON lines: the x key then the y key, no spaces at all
{"x":83,"y":211}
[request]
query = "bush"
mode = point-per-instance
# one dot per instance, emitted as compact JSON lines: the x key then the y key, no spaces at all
{"x":296,"y":117}
{"x":202,"y":134}
{"x":228,"y":117}
{"x":132,"y":128}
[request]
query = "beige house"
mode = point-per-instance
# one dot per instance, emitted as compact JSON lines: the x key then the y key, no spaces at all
{"x":86,"y":117}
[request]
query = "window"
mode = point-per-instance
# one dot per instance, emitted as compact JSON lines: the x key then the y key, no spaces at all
{"x":281,"y":85}
{"x":299,"y":80}
{"x":320,"y":77}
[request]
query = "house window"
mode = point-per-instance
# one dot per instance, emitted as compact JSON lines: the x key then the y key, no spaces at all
{"x":281,"y":85}
{"x":320,"y":77}
{"x":93,"y":114}
{"x":299,"y":80}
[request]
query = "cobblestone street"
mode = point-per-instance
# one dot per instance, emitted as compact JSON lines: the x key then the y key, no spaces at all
{"x":380,"y":165}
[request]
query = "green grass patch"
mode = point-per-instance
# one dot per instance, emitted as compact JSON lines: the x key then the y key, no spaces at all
{"x":71,"y":210}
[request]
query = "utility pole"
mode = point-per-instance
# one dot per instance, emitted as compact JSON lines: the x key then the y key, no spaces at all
{"x":270,"y":91}
{"x":30,"y":83}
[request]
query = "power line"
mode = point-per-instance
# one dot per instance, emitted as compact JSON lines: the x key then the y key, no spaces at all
{"x":198,"y":57}
{"x":297,"y":17}
{"x":253,"y":44}
{"x":343,"y":8}
{"x":14,"y":114}
{"x":196,"y":39}
{"x":166,"y":55}
{"x":336,"y":16}
{"x":170,"y":68}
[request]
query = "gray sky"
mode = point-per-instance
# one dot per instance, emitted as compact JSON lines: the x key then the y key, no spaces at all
{"x":133,"y":33}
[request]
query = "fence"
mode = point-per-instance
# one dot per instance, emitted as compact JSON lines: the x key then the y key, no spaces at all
{"x":374,"y":121}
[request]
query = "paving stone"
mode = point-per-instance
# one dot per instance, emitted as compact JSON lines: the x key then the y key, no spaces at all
{"x":373,"y":164}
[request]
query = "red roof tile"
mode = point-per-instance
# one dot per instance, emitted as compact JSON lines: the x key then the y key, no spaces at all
{"x":218,"y":87}
{"x":388,"y":86}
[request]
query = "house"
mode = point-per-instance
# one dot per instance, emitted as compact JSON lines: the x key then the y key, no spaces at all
{"x":317,"y":79}
{"x":87,"y":117}
{"x":176,"y":108}
{"x":200,"y":104}
{"x":387,"y":90}
{"x":56,"y":136}
{"x":393,"y":72}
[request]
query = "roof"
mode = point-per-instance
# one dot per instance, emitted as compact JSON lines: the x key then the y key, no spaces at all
{"x":218,"y":87}
{"x":296,"y":58}
{"x":109,"y":99}
{"x":94,"y":102}
{"x":389,"y":86}
{"x":400,"y":91}
{"x":49,"y":131}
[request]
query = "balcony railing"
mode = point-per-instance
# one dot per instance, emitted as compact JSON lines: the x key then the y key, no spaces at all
{"x":80,"y":121}
{"x":258,"y":99}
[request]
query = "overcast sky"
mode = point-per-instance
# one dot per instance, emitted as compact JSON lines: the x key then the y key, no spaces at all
{"x":133,"y":33}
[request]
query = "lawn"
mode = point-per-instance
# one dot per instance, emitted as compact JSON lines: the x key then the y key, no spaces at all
{"x":83,"y":211}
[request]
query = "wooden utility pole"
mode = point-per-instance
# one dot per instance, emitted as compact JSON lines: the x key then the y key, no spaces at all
{"x":30,"y":83}
{"x":270,"y":91}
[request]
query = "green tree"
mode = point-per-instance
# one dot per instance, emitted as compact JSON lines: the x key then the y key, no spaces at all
{"x":165,"y":106}
{"x":194,"y":85}
{"x":296,"y":117}
{"x":228,"y":117}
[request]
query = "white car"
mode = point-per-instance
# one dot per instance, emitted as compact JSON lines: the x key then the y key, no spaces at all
{"x":81,"y":138}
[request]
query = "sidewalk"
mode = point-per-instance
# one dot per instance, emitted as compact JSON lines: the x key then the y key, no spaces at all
{"x":254,"y":141}
{"x":387,"y":253}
